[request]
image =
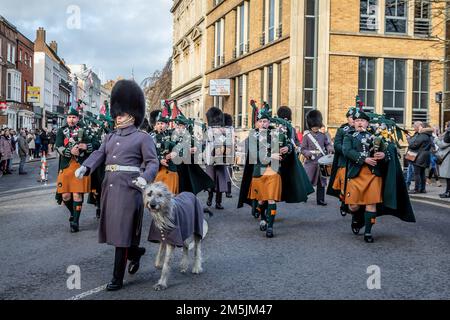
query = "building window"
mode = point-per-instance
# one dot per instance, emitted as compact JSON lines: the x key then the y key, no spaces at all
{"x":20,"y":55}
{"x":242,"y":29}
{"x":422,"y":23}
{"x":14,"y":83}
{"x":219,"y":43}
{"x":11,"y":54}
{"x":395,"y":89}
{"x":396,"y":16}
{"x":366,"y":83}
{"x":310,"y":80}
{"x":25,"y":91}
{"x":421,"y":94}
{"x":368,"y":21}
{"x":272,"y":26}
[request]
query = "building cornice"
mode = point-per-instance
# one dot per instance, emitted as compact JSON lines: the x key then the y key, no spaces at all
{"x":187,"y":83}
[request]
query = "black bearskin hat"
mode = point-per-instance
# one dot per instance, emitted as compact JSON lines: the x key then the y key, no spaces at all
{"x":285,"y":113}
{"x":128,"y":97}
{"x":214,"y":117}
{"x":227,"y":120}
{"x":314,"y":119}
{"x":154,"y":116}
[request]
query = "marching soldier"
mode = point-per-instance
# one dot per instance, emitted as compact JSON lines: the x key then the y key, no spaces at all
{"x":372,"y":163}
{"x":168,"y":173}
{"x":336,"y":185}
{"x":315,"y":145}
{"x":216,"y":151}
{"x":123,"y":152}
{"x":73,"y":144}
{"x":277,"y":174}
{"x":191,"y":176}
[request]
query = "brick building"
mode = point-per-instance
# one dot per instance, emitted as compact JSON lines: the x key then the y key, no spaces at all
{"x":319,"y":54}
{"x":25,"y":48}
{"x":10,"y":77}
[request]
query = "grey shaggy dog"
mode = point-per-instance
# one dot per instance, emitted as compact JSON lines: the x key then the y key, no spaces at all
{"x":178,"y":221}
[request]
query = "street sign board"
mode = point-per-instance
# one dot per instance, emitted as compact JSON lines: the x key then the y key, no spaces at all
{"x":220,"y":87}
{"x":33,"y":94}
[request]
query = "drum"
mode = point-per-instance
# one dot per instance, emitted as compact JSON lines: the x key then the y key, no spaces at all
{"x":326,"y":164}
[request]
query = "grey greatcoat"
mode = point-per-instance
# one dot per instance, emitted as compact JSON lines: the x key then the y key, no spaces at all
{"x":310,"y":151}
{"x":121,"y":201}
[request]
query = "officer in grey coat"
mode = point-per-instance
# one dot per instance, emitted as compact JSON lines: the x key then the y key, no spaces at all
{"x":123,"y":152}
{"x":314,"y":146}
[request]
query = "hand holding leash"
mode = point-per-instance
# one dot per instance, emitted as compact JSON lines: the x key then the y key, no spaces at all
{"x":140,"y":182}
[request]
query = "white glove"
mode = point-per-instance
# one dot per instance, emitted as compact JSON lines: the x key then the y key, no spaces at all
{"x":140,"y":182}
{"x":81,"y":172}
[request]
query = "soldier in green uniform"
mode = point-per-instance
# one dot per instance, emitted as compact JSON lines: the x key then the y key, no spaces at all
{"x":162,"y":135}
{"x":272,"y":172}
{"x":336,"y":186}
{"x":375,"y":183}
{"x":74,"y":145}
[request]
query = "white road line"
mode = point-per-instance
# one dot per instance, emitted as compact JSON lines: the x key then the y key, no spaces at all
{"x":446,"y":206}
{"x":88,"y":293}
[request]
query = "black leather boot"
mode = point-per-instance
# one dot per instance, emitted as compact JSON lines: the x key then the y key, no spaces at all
{"x":210,"y":198}
{"x":219,"y":201}
{"x":135,"y":255}
{"x":120,"y":263}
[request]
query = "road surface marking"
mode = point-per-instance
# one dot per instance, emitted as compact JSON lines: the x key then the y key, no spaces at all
{"x":446,"y":206}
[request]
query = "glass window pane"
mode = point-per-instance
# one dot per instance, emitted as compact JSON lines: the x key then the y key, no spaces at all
{"x":362,"y":73}
{"x":400,"y":75}
{"x":390,"y":8}
{"x":308,"y":98}
{"x":401,"y":9}
{"x":309,"y":73}
{"x":399,"y":100}
{"x":388,"y":99}
{"x":425,"y":76}
{"x":415,"y":100}
{"x":310,"y":7}
{"x":371,"y":74}
{"x":370,"y":101}
{"x":416,"y":76}
{"x":424,"y":101}
{"x":388,"y":74}
{"x":310,"y":37}
{"x":363,"y":6}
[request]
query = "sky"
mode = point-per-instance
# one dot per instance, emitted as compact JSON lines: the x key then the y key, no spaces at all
{"x":114,"y":37}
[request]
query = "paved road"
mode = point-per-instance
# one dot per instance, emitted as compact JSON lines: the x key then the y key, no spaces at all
{"x":313,"y":256}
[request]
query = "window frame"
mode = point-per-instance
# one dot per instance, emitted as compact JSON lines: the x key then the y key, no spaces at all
{"x":396,"y":16}
{"x":394,"y":90}
{"x":366,"y":89}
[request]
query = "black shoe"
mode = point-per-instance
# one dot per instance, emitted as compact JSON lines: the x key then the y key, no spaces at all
{"x":114,"y":285}
{"x":219,"y":206}
{"x":445,"y":195}
{"x":368,"y":238}
{"x":229,"y":195}
{"x":97,"y":213}
{"x":322,"y":203}
{"x":423,"y":191}
{"x":23,"y":173}
{"x":134,"y":265}
{"x":74,"y":228}
{"x":269,"y":233}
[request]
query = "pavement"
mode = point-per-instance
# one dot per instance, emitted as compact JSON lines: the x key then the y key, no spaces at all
{"x":314,"y":254}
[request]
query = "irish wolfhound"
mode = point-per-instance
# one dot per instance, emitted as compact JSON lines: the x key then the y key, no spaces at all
{"x":178,"y":221}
